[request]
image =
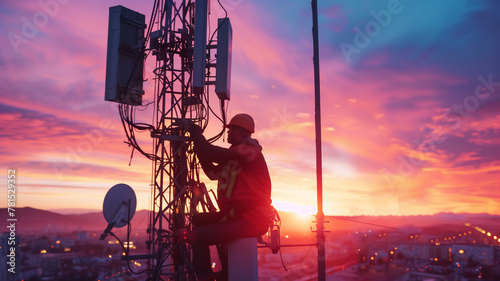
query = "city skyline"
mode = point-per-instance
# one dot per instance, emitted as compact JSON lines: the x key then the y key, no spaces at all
{"x":410,"y":97}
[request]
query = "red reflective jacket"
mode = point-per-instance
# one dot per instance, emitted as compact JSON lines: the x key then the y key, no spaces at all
{"x":244,"y":184}
{"x":245,"y":181}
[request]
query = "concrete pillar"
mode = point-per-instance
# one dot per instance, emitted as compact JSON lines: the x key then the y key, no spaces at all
{"x":242,"y":260}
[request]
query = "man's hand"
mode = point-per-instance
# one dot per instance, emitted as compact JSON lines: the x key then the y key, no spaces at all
{"x":189,"y":126}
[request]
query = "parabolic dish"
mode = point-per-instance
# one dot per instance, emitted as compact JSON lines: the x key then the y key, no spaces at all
{"x":119,"y":201}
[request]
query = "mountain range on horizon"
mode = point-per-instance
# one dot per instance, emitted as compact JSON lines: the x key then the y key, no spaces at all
{"x":31,"y":220}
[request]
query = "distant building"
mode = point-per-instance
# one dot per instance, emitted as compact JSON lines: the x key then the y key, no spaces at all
{"x":51,"y":263}
{"x":82,"y":235}
{"x":423,"y":276}
{"x":34,"y":260}
{"x":6,"y":260}
{"x":3,"y":255}
{"x":39,"y":244}
{"x":63,"y":242}
{"x":29,"y":272}
{"x":414,"y":252}
{"x":440,"y":253}
{"x":484,"y":254}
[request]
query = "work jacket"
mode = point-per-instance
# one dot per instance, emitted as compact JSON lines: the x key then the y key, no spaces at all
{"x":244,"y":184}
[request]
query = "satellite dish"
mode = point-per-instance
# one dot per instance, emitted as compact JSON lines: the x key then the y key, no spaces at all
{"x":119,"y":205}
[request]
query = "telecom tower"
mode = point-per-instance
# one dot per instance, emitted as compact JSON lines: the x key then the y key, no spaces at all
{"x":185,"y":70}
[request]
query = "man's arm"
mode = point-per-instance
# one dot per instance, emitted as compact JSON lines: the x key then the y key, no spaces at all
{"x":211,"y":153}
{"x":212,"y":170}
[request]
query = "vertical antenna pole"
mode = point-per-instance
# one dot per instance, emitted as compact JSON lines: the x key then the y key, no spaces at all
{"x":320,"y":217}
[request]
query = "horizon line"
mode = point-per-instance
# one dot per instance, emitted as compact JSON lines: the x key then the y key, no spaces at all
{"x":83,"y":211}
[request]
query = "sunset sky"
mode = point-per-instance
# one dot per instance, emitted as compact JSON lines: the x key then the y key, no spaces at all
{"x":410,"y":103}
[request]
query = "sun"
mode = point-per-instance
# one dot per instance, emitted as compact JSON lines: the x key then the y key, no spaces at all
{"x":303,"y":211}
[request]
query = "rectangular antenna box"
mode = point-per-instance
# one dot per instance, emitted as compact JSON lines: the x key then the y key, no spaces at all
{"x":125,"y":59}
{"x":223,"y":65}
{"x":200,"y":46}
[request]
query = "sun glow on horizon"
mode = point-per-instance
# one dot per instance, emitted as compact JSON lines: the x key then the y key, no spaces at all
{"x":416,"y":137}
{"x":301,"y":210}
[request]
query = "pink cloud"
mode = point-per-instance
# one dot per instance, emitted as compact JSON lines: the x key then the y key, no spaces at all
{"x":372,"y":115}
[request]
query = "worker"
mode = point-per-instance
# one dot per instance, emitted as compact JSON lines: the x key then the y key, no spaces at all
{"x":243,"y":193}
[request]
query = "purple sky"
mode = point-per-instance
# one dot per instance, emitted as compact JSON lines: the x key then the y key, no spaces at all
{"x":410,"y":101}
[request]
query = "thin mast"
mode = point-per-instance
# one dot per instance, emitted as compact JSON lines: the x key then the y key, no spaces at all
{"x":320,"y":217}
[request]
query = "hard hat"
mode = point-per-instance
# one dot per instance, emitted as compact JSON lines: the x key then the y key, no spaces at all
{"x":243,"y":120}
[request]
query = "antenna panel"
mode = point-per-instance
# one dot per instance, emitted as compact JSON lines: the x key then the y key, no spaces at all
{"x":224,"y":53}
{"x":125,"y":61}
{"x":200,"y":46}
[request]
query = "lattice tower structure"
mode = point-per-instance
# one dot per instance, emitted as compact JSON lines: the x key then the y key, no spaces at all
{"x":176,"y":189}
